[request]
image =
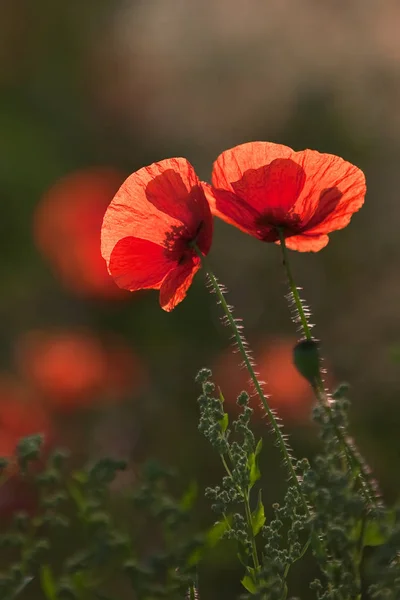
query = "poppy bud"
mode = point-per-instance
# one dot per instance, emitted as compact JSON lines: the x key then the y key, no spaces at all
{"x":307,"y":360}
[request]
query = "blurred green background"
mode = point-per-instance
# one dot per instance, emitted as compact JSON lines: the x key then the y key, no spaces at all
{"x":91,"y":91}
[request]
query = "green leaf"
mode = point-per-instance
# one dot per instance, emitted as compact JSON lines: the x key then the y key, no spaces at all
{"x":259,"y":447}
{"x":212,"y":537}
{"x":376,"y":531}
{"x":77,"y":496}
{"x":189,"y":496}
{"x":243,"y":555}
{"x":258,"y":516}
{"x":252,"y":464}
{"x":248,"y":581}
{"x":224,"y":422}
{"x":80,"y":476}
{"x":48,"y":583}
{"x":215,"y":533}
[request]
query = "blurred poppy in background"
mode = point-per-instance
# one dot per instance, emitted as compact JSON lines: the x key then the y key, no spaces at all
{"x":21,"y":415}
{"x":261,"y":187}
{"x":67,"y":225}
{"x":289,"y":393}
{"x":72,"y":369}
{"x":150,"y":227}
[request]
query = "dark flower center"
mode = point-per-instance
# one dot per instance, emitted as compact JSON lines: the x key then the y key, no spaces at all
{"x":272,"y":220}
{"x":179,"y":243}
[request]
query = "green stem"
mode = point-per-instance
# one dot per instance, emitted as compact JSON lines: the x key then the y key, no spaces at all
{"x":239,"y":341}
{"x":351,"y":453}
{"x":257,"y":385}
{"x":318,"y":547}
{"x":247,"y":509}
{"x":246,"y":500}
{"x":245,"y":495}
{"x":293,"y":289}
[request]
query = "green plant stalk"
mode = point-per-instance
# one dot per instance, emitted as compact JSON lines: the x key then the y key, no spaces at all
{"x":319,"y":390}
{"x":317,"y":545}
{"x":257,"y":385}
{"x":246,"y":500}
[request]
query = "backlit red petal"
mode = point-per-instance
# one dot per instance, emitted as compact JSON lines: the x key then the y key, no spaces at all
{"x":334,"y":190}
{"x":271,"y":188}
{"x":232,"y":209}
{"x":306,"y":243}
{"x":176,"y":191}
{"x":138,"y":264}
{"x":177,"y":282}
{"x":263,"y":178}
{"x":307,"y":193}
{"x":152,"y":202}
{"x":233,"y":163}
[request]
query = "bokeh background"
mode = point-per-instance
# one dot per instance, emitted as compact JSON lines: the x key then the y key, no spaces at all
{"x":91,"y":91}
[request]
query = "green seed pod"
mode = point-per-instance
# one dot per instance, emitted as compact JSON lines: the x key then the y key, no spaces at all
{"x":307,"y":359}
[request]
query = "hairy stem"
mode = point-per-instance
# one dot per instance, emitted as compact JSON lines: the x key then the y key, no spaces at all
{"x":354,"y":460}
{"x":253,"y":377}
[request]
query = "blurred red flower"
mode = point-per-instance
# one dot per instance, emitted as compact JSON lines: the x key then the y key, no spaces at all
{"x":149,"y":227}
{"x":260,"y":187}
{"x":288,"y":391}
{"x":72,"y":369}
{"x":67,"y":227}
{"x":20,"y":416}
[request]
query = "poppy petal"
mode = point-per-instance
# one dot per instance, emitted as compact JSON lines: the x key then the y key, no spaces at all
{"x":232,"y":209}
{"x":152,"y":202}
{"x":263,"y":176}
{"x":138,"y":264}
{"x":177,"y":192}
{"x":306,"y":243}
{"x":334,"y":190}
{"x":232,"y":164}
{"x":273,"y":187}
{"x":307,"y":194}
{"x":177,"y":282}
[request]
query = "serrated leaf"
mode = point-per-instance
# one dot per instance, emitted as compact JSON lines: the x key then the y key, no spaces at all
{"x":258,"y":516}
{"x":48,"y":583}
{"x":248,"y":582}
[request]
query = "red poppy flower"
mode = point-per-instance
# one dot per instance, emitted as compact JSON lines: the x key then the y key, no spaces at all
{"x":262,"y":187}
{"x":67,"y":228}
{"x":72,"y":369}
{"x":149,"y":228}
